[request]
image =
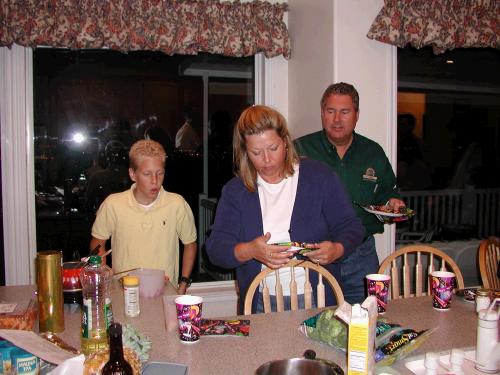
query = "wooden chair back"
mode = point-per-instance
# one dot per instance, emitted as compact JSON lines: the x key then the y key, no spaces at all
{"x":489,"y":255}
{"x":410,"y":266}
{"x":323,"y":274}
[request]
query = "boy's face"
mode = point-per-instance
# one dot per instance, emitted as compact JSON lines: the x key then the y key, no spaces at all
{"x":148,"y":178}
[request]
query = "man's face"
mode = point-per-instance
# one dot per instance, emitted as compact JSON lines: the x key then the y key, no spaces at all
{"x":148,"y":178}
{"x":339,"y":118}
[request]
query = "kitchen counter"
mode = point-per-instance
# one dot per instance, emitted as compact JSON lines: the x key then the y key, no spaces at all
{"x":272,"y":336}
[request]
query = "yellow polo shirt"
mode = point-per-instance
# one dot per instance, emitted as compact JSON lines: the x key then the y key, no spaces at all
{"x":145,"y":238}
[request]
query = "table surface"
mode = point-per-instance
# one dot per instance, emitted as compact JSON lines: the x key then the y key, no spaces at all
{"x":272,"y":336}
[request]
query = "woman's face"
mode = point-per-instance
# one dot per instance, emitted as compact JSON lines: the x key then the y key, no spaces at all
{"x":267,"y":153}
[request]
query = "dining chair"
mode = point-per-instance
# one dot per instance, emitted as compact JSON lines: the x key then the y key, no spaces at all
{"x":489,"y":255}
{"x":410,"y":266}
{"x":323,"y":274}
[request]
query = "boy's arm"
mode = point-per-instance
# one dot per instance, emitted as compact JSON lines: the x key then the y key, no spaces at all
{"x":94,"y":242}
{"x":188,"y":259}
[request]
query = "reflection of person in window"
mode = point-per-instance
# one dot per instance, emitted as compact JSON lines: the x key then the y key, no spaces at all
{"x":186,"y":138}
{"x":156,"y":133}
{"x":412,"y":172}
{"x":112,"y":179}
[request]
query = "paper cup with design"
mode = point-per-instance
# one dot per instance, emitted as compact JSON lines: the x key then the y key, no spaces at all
{"x":441,"y":285}
{"x":378,"y":285}
{"x":189,"y":317}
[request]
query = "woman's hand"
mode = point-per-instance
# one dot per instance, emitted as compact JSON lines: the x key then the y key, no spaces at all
{"x":273,"y":256}
{"x":327,"y":252}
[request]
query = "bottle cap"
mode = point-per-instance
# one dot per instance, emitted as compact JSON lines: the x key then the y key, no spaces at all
{"x":130,"y":281}
{"x":95,"y":260}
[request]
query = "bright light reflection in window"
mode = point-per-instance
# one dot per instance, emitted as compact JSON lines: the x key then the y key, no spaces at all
{"x":78,"y":138}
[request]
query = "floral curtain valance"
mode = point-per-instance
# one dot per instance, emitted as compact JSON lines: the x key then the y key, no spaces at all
{"x":171,"y":26}
{"x":442,"y":24}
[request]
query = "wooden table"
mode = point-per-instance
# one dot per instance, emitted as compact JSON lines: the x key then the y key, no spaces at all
{"x":272,"y":336}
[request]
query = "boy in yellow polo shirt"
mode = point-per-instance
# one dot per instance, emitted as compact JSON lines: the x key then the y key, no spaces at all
{"x":146,"y":222}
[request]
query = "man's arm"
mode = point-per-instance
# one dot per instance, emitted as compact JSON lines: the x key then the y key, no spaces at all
{"x":188,"y":259}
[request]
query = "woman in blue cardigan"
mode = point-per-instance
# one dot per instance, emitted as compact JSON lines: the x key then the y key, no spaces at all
{"x":277,"y":197}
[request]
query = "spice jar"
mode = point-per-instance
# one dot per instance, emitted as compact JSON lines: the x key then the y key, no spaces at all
{"x":482,"y":299}
{"x":131,"y":294}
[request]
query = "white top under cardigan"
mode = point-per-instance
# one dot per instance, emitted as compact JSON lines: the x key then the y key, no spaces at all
{"x":276,"y":203}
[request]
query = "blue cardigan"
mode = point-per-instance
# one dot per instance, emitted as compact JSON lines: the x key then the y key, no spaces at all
{"x":322,"y":211}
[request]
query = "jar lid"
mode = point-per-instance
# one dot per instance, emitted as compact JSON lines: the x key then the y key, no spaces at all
{"x":130,"y":280}
{"x":483,"y":292}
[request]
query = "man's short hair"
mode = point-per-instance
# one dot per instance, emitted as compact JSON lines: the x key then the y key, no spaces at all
{"x":145,"y":148}
{"x":341,"y":88}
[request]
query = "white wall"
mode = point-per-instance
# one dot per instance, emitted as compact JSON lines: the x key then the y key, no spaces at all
{"x":310,"y":69}
{"x":329,"y":44}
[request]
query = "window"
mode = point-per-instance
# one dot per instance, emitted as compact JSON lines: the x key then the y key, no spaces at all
{"x":449,"y":144}
{"x":90,"y":106}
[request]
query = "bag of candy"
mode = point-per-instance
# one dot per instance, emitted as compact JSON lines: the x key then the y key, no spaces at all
{"x":398,"y":343}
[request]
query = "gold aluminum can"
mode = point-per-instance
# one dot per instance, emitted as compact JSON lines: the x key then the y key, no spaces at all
{"x":50,"y":291}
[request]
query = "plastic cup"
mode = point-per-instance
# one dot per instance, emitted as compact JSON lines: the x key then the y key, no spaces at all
{"x":170,"y":312}
{"x":441,"y":285}
{"x":378,"y":285}
{"x":189,"y":317}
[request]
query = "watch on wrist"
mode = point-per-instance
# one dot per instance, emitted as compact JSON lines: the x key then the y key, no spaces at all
{"x":184,"y":279}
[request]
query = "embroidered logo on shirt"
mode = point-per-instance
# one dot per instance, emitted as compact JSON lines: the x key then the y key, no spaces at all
{"x":370,"y":175}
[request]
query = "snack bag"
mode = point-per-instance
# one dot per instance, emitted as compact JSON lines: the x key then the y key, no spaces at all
{"x":399,"y":344}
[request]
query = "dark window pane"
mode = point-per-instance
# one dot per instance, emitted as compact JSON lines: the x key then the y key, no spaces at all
{"x":90,"y":106}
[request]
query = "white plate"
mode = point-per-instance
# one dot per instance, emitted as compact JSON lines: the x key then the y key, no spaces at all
{"x":382,"y":213}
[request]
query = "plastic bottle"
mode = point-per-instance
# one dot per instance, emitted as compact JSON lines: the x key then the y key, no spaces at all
{"x":117,"y":365}
{"x":131,"y":296}
{"x":96,"y":313}
{"x":487,"y":338}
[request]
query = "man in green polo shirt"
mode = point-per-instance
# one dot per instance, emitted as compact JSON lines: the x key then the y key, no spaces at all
{"x":364,"y":170}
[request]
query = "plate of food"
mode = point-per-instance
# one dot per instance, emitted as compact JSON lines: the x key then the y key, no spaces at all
{"x":387,"y":214}
{"x":468,"y":294}
{"x":298,"y":247}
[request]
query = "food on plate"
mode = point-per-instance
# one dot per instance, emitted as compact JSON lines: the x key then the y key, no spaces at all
{"x":299,"y":247}
{"x":390,"y":210}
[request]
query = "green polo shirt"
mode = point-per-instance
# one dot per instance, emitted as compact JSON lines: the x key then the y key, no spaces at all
{"x":364,"y":170}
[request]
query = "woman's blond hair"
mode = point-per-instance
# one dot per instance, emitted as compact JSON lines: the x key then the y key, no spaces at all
{"x":255,"y":120}
{"x":145,"y":148}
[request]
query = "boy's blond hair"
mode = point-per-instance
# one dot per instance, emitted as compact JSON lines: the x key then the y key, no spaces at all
{"x":145,"y":148}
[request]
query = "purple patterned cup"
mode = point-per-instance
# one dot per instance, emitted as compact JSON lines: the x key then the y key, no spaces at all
{"x":378,"y":285}
{"x":441,"y":288}
{"x":189,"y":317}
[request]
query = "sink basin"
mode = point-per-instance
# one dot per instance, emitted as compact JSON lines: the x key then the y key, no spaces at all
{"x":416,"y":364}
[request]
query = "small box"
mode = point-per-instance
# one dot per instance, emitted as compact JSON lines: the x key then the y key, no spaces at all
{"x":18,"y":315}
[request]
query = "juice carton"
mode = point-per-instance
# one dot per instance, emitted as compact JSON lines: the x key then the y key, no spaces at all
{"x":361,"y":320}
